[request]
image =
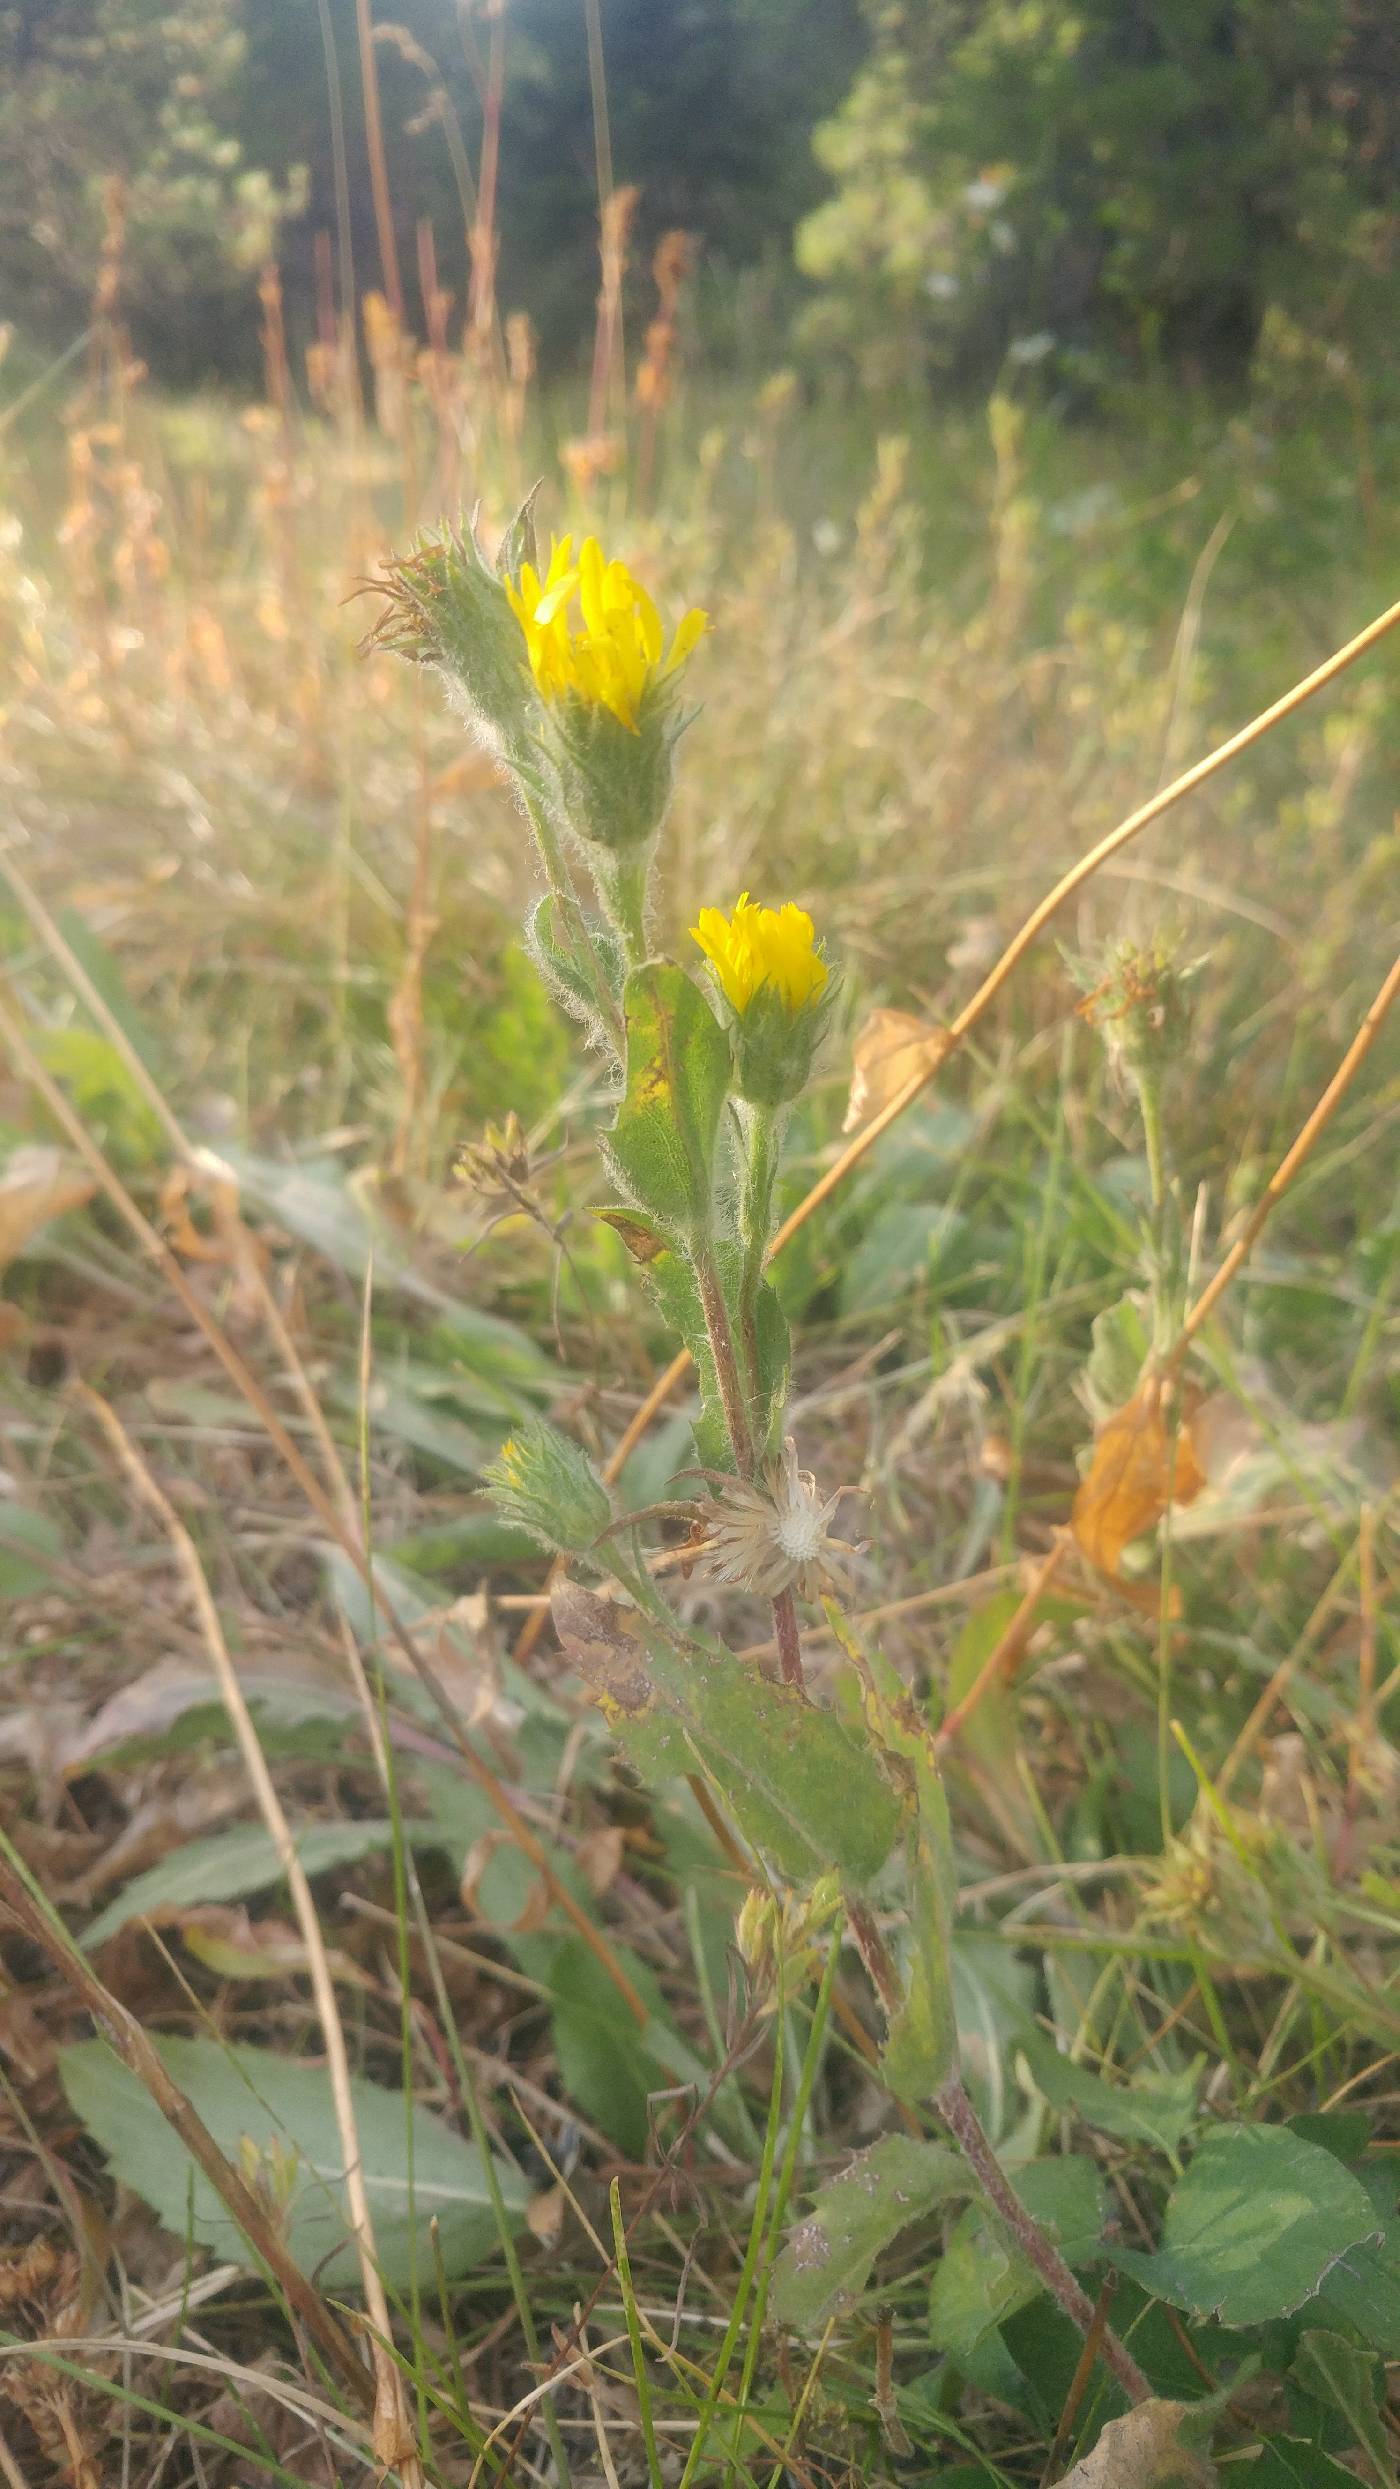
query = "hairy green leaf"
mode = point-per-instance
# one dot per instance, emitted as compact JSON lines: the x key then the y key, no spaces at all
{"x":828,"y":2256}
{"x":663,"y":1141}
{"x":982,"y":2279}
{"x":806,"y":1788}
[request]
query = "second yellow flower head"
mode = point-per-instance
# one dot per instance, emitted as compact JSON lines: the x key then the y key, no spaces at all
{"x":761,"y":947}
{"x":615,"y":651}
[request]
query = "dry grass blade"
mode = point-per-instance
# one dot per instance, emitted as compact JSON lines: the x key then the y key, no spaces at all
{"x":344,"y":1536}
{"x":1003,"y":1661}
{"x":394,"y":2441}
{"x":1288,"y":1165}
{"x":126,"y":2036}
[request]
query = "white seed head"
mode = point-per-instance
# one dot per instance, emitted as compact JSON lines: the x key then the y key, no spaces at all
{"x":774,"y":1534}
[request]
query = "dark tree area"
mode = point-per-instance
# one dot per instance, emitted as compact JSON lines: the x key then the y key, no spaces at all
{"x":929,"y":184}
{"x":1128,"y":184}
{"x":218,"y":116}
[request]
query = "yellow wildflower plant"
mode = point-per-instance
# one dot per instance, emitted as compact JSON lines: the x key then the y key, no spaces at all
{"x":760,"y":948}
{"x":591,"y":629}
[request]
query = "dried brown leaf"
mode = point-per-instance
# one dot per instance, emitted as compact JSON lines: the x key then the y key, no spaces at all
{"x":37,"y":1185}
{"x":1139,"y":1468}
{"x":891,"y":1048}
{"x":599,"y":1857}
{"x":544,"y":2215}
{"x":604,"y":1645}
{"x":1143,"y":2450}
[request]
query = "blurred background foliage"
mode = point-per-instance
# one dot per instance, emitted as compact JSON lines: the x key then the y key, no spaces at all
{"x":909,"y":189}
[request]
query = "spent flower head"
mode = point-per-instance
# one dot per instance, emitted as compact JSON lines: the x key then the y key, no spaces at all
{"x":1138,"y":998}
{"x":444,"y":605}
{"x":773,"y":1534}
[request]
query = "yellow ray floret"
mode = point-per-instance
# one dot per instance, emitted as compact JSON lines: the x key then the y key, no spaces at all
{"x":611,"y":654}
{"x":762,"y":946}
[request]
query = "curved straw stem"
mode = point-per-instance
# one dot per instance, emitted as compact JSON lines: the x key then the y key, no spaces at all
{"x":1287,"y":1167}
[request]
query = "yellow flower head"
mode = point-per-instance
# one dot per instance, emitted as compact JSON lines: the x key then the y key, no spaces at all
{"x":613,"y":652}
{"x":762,"y":946}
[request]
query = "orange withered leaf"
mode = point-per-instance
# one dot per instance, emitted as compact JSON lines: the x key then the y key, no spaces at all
{"x":1144,"y":1460}
{"x":890,"y":1048}
{"x":36,"y":1185}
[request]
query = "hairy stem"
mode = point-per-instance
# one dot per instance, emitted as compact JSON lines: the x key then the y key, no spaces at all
{"x":762,"y":1131}
{"x":721,"y":1338}
{"x":789,"y":1640}
{"x":963,"y":2123}
{"x":762,"y":1128}
{"x":622,"y":887}
{"x":557,"y":875}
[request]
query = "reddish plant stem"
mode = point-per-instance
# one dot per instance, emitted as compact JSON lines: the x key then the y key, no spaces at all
{"x":727,"y":1375}
{"x":963,"y":2123}
{"x":789,"y":1640}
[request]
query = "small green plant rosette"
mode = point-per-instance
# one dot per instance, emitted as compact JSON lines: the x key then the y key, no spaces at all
{"x":447,"y":607}
{"x":546,"y":1485}
{"x":776,"y":1046}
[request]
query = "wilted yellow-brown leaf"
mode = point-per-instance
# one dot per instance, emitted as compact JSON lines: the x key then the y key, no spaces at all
{"x":599,"y":1857}
{"x":891,"y":1047}
{"x":544,"y":2215}
{"x":1144,"y":1460}
{"x":1143,"y":2450}
{"x":37,"y":1185}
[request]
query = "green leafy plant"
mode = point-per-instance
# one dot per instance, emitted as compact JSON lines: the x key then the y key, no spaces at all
{"x":566,"y":673}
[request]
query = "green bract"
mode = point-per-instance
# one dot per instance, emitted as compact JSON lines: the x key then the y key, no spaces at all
{"x":542,"y":1481}
{"x":775,"y":1047}
{"x":611,"y":784}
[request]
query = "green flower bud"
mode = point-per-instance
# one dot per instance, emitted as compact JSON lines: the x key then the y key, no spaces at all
{"x":771,"y":972}
{"x":445,"y":606}
{"x":612,"y":783}
{"x":546,"y":1485}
